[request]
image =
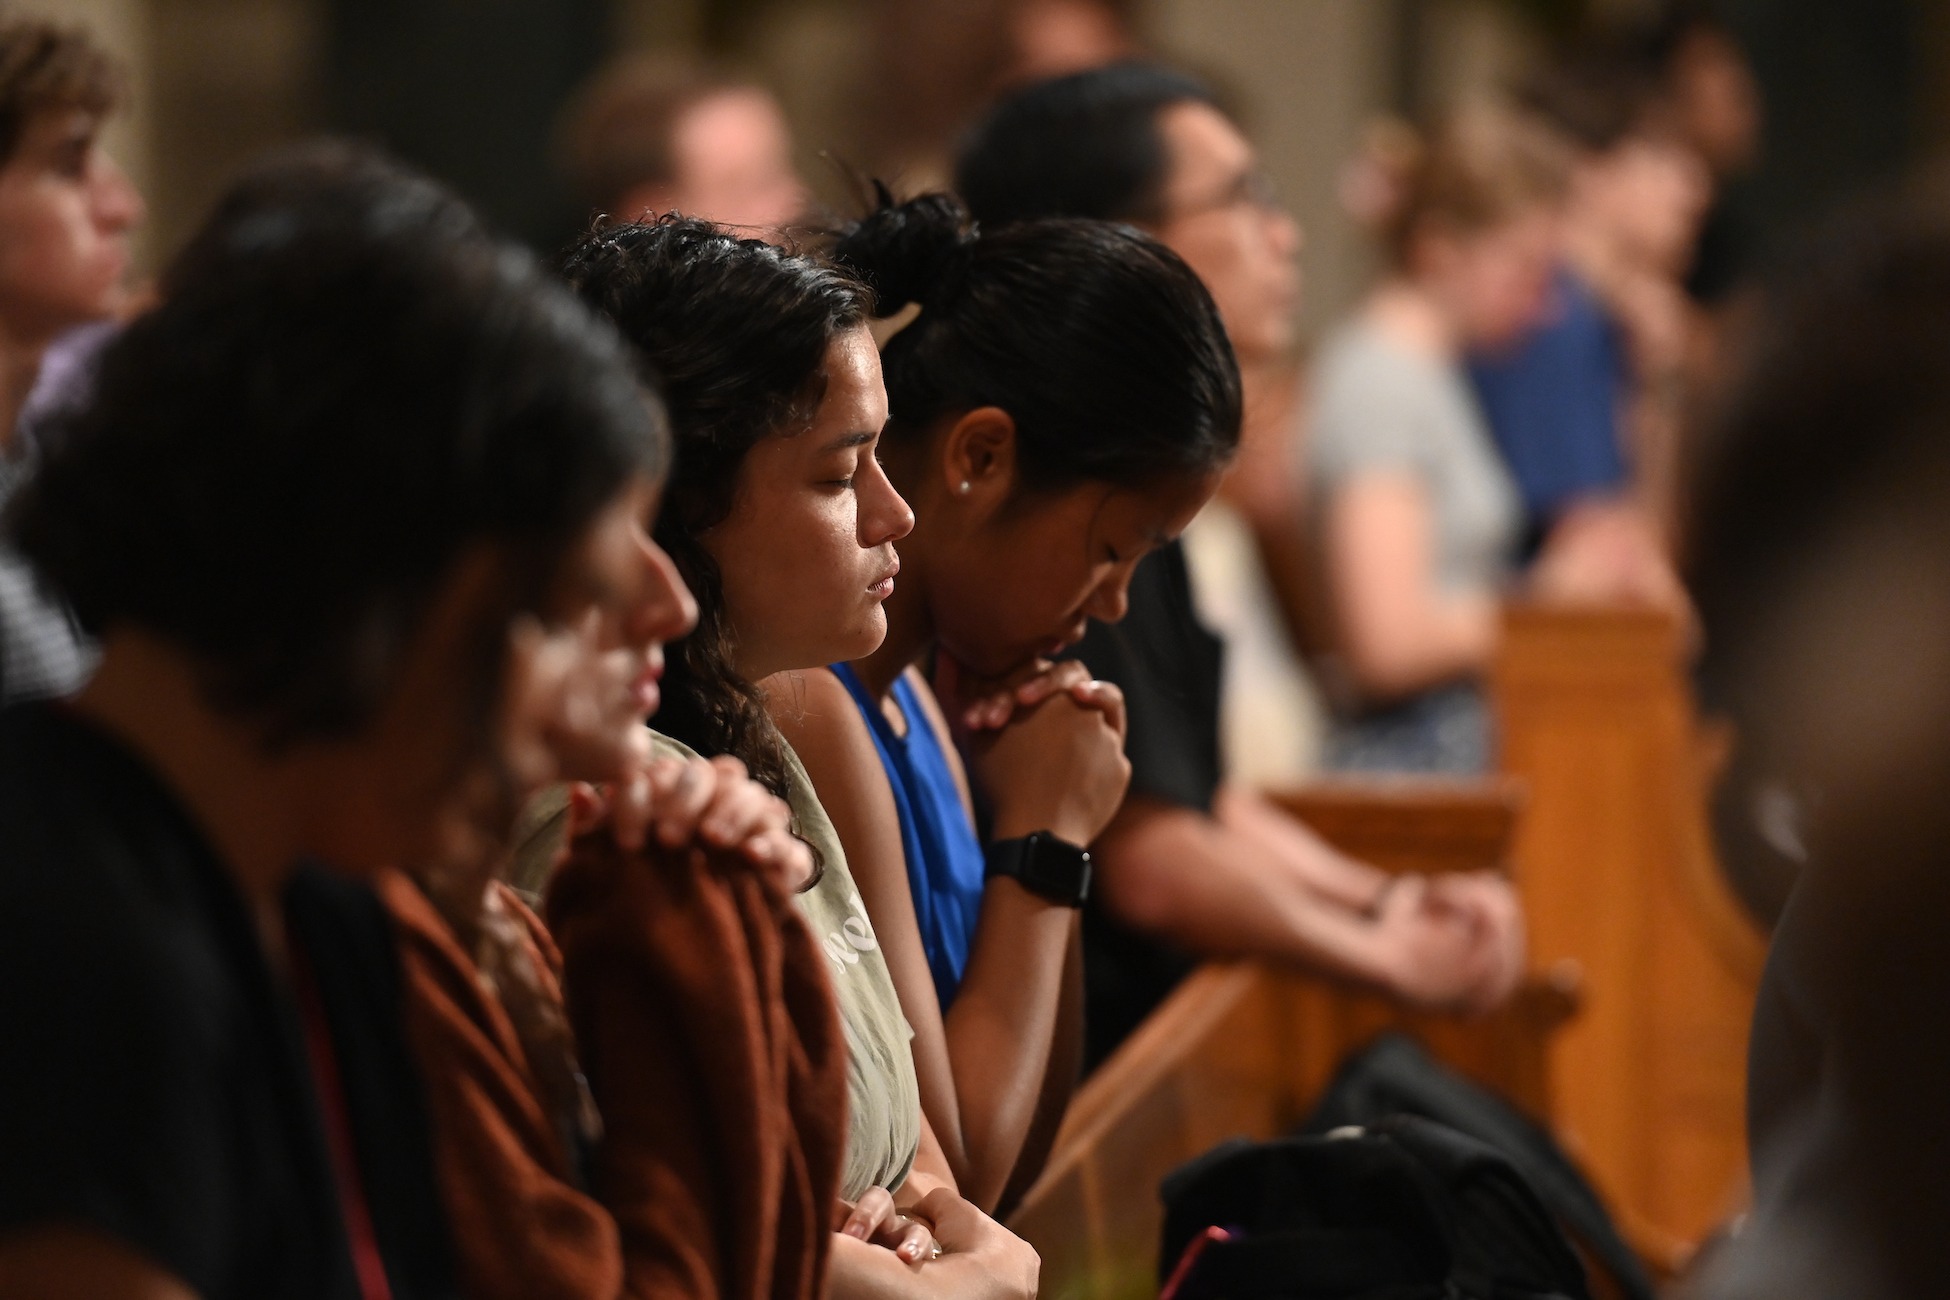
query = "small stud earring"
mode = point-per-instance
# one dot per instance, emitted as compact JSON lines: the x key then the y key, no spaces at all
{"x":963,"y":489}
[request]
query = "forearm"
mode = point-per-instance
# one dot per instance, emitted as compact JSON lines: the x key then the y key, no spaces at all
{"x":929,"y":1172}
{"x":1398,"y":653}
{"x":1000,"y":1032}
{"x":1324,"y":868}
{"x":1059,"y":1080}
{"x":1186,"y":878}
{"x":859,"y":1270}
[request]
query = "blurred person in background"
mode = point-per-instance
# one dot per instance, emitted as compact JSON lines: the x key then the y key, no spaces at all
{"x":66,"y":213}
{"x":1817,"y":529}
{"x":1417,"y":519}
{"x":937,"y":63}
{"x":1585,"y":405}
{"x":1142,"y":143}
{"x":1197,"y":864}
{"x":651,"y":135}
{"x":1714,"y":104}
{"x":1052,"y":38}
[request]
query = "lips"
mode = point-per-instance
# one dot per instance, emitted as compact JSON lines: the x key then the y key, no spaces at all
{"x":884,"y":588}
{"x":644,"y":690}
{"x":1056,"y":648}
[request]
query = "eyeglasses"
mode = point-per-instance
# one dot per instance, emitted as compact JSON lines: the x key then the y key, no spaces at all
{"x":1252,"y":189}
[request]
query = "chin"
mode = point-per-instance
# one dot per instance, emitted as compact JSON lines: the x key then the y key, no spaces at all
{"x":992,"y":661}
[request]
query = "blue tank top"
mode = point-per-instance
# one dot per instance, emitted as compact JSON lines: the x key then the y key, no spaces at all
{"x":945,"y":867}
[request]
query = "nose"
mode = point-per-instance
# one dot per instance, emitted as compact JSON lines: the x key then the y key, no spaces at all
{"x":667,"y":609}
{"x":1112,"y":598}
{"x":884,"y":514}
{"x":118,"y":204}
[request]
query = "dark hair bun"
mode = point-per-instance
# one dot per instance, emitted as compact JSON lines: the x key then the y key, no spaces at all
{"x":912,"y":252}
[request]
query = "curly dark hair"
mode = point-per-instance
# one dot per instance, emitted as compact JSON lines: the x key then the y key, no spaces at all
{"x":733,"y":332}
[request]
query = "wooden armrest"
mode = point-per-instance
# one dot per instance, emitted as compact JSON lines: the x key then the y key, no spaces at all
{"x":1420,"y":824}
{"x":1158,"y":1048}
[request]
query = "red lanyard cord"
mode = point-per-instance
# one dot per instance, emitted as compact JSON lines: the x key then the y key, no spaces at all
{"x":367,"y":1263}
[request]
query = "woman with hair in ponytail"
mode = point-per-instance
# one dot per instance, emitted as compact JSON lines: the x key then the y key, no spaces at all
{"x":782,"y":522}
{"x":1417,"y":518}
{"x":1062,"y":401}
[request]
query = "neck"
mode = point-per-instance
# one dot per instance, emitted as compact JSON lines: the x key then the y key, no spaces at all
{"x":1411,"y":315}
{"x":147,"y":695}
{"x":1271,"y":390}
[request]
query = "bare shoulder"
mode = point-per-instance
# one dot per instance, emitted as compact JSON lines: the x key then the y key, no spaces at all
{"x":816,"y":714}
{"x":819,"y":719}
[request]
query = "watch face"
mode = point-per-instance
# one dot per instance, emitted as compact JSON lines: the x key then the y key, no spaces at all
{"x":1056,"y":868}
{"x":1044,"y":865}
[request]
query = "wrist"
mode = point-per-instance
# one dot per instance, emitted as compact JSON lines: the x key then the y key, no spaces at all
{"x":1012,"y":824}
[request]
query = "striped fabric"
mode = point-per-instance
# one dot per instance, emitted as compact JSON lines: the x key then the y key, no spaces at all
{"x":43,"y":651}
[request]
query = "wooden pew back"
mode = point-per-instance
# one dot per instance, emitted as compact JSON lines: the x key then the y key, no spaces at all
{"x":1617,"y":873}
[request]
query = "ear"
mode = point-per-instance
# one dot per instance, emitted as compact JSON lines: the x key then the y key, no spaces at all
{"x":978,"y":457}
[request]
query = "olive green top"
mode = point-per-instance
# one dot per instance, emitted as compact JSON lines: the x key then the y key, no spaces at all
{"x":884,"y":1098}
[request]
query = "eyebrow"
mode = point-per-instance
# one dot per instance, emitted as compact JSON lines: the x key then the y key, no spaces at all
{"x":859,"y":439}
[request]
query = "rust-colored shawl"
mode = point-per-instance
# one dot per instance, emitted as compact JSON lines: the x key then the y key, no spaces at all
{"x":708,"y":1031}
{"x":521,"y":1228}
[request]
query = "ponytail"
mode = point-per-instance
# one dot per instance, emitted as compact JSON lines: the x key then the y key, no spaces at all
{"x":1100,"y":343}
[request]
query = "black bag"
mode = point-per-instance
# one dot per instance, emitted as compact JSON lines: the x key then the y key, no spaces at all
{"x":1395,"y":1076}
{"x":1405,"y":1210}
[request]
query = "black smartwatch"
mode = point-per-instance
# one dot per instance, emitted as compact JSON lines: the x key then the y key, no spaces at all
{"x":1044,"y":865}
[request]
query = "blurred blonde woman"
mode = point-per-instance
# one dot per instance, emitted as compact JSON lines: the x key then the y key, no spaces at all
{"x":1416,"y":519}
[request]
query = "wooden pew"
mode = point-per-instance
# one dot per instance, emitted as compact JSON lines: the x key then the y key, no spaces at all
{"x":1617,"y":872}
{"x":1241,"y":1049}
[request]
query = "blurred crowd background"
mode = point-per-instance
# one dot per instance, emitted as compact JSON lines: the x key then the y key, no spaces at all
{"x":476,"y":90}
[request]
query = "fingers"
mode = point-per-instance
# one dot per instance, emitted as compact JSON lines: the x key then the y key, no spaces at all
{"x":712,"y":802}
{"x":1056,"y":678}
{"x":914,"y":1243}
{"x":740,"y":809}
{"x":1105,"y":697}
{"x":679,"y":793}
{"x":957,"y":1224}
{"x":871,"y":1215}
{"x":632,"y":805}
{"x":992,"y":703}
{"x":783,"y":856}
{"x":587,"y":808}
{"x":875,"y":1218}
